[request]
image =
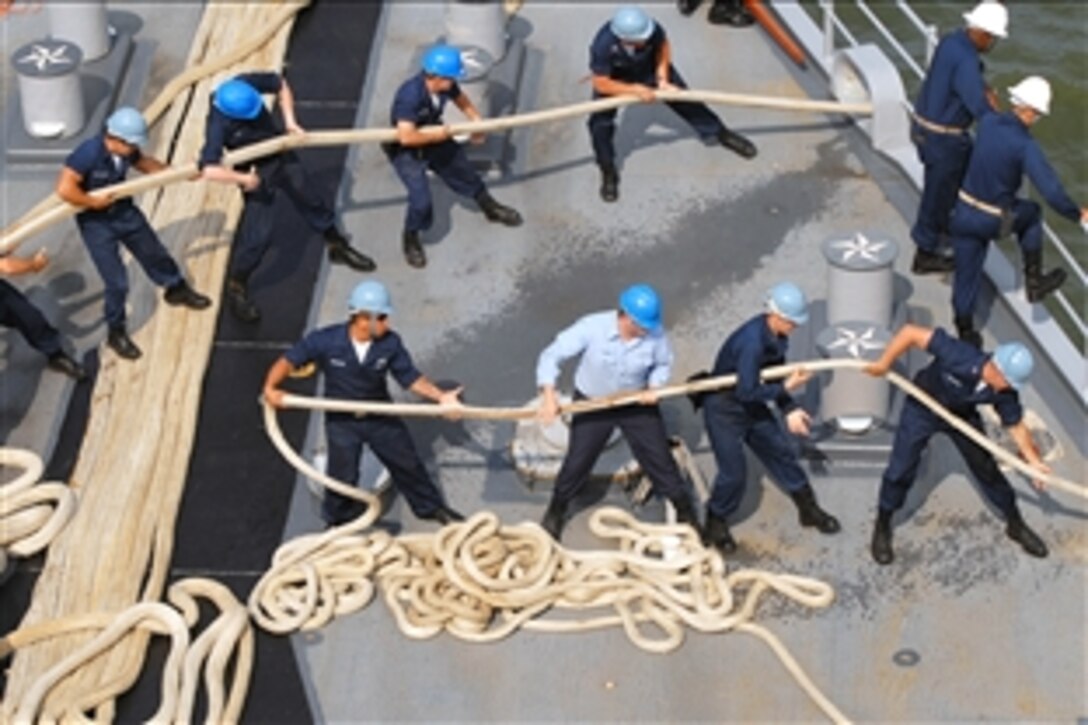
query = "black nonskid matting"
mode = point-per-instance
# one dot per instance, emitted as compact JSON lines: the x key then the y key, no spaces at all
{"x":238,"y":489}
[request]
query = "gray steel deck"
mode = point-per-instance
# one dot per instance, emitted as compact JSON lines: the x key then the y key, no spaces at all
{"x":998,"y":635}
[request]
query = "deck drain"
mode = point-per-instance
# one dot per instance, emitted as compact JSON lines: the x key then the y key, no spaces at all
{"x":906,"y":657}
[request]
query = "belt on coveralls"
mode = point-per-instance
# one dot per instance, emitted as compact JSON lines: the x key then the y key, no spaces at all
{"x":936,"y":127}
{"x":981,"y":205}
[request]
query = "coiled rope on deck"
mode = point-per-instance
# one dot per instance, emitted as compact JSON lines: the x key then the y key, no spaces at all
{"x":53,"y":210}
{"x":480,"y":580}
{"x":227,"y":639}
{"x":32,"y":513}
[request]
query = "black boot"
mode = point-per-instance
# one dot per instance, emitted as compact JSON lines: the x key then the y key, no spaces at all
{"x":716,"y":533}
{"x":965,"y":327}
{"x":811,"y":514}
{"x":737,"y":143}
{"x":555,"y":518}
{"x":687,"y":7}
{"x":729,"y":12}
{"x":413,"y":250}
{"x":183,"y":294}
{"x":610,"y":183}
{"x":1038,"y":283}
{"x":122,"y":344}
{"x":1029,"y":541}
{"x":496,"y":212}
{"x":444,"y":515}
{"x":881,"y":546}
{"x":340,"y":252}
{"x":931,"y":262}
{"x":685,"y":513}
{"x":240,"y":304}
{"x":63,"y":363}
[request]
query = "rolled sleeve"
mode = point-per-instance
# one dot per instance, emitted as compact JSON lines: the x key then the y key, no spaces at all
{"x":403,"y":370}
{"x":301,"y":352}
{"x":214,"y":137}
{"x":663,"y":359}
{"x":1008,"y":408}
{"x":82,"y":159}
{"x":263,"y":81}
{"x":567,"y":344}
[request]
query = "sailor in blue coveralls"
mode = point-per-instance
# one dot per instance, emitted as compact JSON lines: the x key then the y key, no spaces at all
{"x":356,"y":357}
{"x":960,"y":378}
{"x":17,"y":311}
{"x":953,"y":96}
{"x":630,"y":55}
{"x":237,"y":117}
{"x":742,"y":415}
{"x":418,"y":104}
{"x":988,"y":208}
{"x":105,"y":223}
{"x":621,"y":351}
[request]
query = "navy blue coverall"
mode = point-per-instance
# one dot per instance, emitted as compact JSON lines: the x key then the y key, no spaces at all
{"x":610,"y":57}
{"x":742,"y":415}
{"x":1004,"y":152}
{"x":278,"y":172}
{"x":331,"y":349}
{"x":120,"y":223}
{"x":953,"y":95}
{"x":954,"y":379}
{"x":447,"y":159}
{"x":17,"y":311}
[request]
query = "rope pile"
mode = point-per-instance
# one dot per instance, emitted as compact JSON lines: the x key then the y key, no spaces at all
{"x":227,"y":640}
{"x":480,"y":581}
{"x":32,"y":513}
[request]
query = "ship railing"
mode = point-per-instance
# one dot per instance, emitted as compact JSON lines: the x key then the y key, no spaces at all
{"x":823,"y":33}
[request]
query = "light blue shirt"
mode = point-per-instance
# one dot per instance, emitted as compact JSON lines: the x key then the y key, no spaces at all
{"x":609,"y":363}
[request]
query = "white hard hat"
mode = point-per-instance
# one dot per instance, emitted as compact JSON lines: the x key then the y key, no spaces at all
{"x":990,"y":16}
{"x":1034,"y":92}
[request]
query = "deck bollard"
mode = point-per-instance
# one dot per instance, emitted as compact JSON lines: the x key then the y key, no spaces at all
{"x":853,"y":401}
{"x":50,"y":91}
{"x":477,"y":24}
{"x":83,"y":23}
{"x":860,"y":278}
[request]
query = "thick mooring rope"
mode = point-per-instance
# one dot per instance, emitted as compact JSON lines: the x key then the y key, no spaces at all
{"x":32,"y":513}
{"x":227,"y":639}
{"x":706,"y":385}
{"x":480,"y":580}
{"x":53,"y":207}
{"x":49,"y":212}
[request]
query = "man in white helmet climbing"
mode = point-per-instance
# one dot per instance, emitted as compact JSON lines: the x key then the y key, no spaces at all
{"x":988,"y":207}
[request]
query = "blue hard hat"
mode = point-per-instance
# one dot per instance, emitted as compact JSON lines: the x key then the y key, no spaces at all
{"x":643,"y":306}
{"x":632,"y":23}
{"x":370,"y":296}
{"x":1014,"y":362}
{"x":127,"y":124}
{"x":239,"y":100}
{"x":787,"y":299}
{"x":444,"y":61}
